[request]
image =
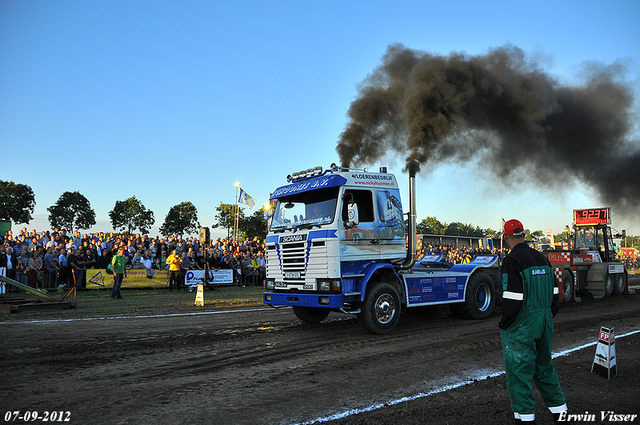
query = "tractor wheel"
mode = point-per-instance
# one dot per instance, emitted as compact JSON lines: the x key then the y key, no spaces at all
{"x":608,"y":283}
{"x":620,"y":284}
{"x":479,"y":298}
{"x":380,"y":309}
{"x":311,"y":314}
{"x":567,"y":286}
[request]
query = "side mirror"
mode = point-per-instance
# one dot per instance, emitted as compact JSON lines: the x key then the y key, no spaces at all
{"x":352,"y":215}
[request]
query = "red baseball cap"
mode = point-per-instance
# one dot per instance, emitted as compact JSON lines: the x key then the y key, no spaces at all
{"x":513,"y":227}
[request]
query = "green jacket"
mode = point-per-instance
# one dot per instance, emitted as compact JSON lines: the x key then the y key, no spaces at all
{"x":118,"y":263}
{"x":528,"y":284}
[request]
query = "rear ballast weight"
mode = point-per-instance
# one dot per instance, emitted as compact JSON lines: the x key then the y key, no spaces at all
{"x":336,"y":242}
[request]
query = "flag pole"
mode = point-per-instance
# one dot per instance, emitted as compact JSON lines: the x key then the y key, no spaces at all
{"x":501,"y":233}
{"x":235,"y":227}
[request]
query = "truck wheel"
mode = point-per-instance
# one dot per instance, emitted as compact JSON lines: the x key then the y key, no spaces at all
{"x":608,"y":283}
{"x":381,"y":309}
{"x":567,"y":286}
{"x":620,"y":284}
{"x":479,"y":298}
{"x":311,"y":314}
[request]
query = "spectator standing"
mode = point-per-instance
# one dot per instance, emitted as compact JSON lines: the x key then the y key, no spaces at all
{"x":147,"y":263}
{"x":262,"y":267}
{"x":52,"y":269}
{"x":246,"y":266}
{"x":174,"y":261}
{"x":77,"y":272}
{"x":105,"y":259}
{"x":35,"y":264}
{"x":80,"y":256}
{"x":90,"y":259}
{"x":152,"y":249}
{"x":184,"y":266}
{"x":9,"y":260}
{"x":118,"y":263}
{"x":214,"y":259}
{"x":21,"y":265}
{"x":63,"y":263}
{"x":224,"y":263}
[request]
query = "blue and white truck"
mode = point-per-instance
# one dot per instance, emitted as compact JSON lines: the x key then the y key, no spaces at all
{"x":337,"y":242}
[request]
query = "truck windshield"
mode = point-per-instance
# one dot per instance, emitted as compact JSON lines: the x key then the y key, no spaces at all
{"x":306,"y":209}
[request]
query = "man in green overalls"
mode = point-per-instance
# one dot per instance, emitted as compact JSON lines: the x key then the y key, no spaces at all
{"x":530,"y":300}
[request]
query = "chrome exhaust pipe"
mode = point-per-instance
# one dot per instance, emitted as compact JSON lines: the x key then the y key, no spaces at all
{"x":410,"y":260}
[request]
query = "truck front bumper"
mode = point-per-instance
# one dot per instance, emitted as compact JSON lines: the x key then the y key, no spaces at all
{"x":303,"y":300}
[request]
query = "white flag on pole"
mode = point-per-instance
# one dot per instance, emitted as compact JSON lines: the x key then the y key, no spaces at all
{"x":246,"y":199}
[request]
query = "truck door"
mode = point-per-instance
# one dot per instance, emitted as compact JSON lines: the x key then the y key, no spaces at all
{"x":360,"y":239}
{"x":390,"y":223}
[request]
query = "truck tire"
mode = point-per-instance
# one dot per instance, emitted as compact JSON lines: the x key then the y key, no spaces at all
{"x":608,"y":283}
{"x":479,"y":298}
{"x":567,"y":286}
{"x":380,"y":309}
{"x":311,"y":314}
{"x":620,"y":285}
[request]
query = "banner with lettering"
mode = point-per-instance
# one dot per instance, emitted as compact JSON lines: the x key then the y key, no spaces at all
{"x":137,"y":278}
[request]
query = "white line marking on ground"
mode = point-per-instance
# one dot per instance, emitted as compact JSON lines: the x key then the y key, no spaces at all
{"x":200,"y":313}
{"x":467,"y":381}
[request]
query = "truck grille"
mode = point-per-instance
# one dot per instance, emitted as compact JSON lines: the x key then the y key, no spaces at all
{"x":297,"y":263}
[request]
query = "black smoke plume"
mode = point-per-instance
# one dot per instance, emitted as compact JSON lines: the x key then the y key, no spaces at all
{"x":501,"y":110}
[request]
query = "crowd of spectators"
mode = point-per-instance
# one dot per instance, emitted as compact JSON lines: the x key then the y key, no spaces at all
{"x":464,"y":254}
{"x":460,"y":254}
{"x":53,"y":259}
{"x":632,"y":263}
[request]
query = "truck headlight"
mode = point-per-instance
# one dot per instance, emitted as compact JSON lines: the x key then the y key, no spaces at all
{"x":329,"y":285}
{"x":270,"y":284}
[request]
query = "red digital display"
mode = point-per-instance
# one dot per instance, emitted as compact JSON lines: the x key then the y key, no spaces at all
{"x":591,"y":216}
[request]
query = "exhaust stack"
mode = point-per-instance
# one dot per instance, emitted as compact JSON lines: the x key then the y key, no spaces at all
{"x":410,"y":260}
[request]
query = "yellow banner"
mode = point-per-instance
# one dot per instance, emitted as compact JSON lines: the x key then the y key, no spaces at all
{"x":136,"y":278}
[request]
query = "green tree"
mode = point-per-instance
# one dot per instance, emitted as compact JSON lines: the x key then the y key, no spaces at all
{"x":430,"y":226}
{"x":130,"y":215}
{"x":478,"y":232}
{"x":255,"y":225}
{"x":72,"y":211}
{"x":181,"y":219}
{"x":561,"y":237}
{"x":454,"y":229}
{"x":226,"y":217}
{"x":539,"y":236}
{"x":493,"y":234}
{"x":17,"y":202}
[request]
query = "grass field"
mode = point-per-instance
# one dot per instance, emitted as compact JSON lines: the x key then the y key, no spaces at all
{"x":98,"y":303}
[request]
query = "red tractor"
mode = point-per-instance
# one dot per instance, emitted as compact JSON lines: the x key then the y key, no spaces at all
{"x":590,"y":265}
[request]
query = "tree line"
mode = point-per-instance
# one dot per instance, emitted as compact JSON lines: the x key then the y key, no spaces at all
{"x":72,"y":211}
{"x":433,"y":226}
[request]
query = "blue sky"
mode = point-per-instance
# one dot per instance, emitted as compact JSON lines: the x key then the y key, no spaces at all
{"x":175,"y":101}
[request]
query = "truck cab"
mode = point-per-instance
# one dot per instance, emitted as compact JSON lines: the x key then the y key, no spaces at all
{"x":326,"y":229}
{"x":337,"y":242}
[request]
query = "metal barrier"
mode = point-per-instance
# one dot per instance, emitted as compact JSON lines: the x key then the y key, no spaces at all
{"x":51,"y":301}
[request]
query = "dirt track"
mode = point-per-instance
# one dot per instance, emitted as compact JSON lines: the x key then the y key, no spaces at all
{"x":263,"y":366}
